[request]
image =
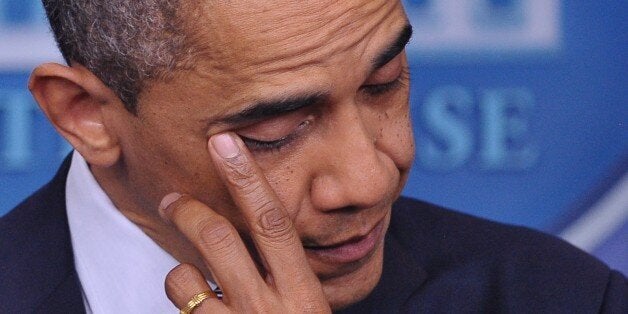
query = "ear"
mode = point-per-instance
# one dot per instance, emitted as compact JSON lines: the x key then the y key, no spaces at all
{"x":73,"y":98}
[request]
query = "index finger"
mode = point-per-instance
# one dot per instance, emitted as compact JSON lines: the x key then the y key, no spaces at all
{"x":270,"y":225}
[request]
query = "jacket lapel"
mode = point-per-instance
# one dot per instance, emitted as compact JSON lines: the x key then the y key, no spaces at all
{"x":65,"y":298}
{"x":42,"y":254}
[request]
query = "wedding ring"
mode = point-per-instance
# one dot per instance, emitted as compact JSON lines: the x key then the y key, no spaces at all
{"x":196,"y":301}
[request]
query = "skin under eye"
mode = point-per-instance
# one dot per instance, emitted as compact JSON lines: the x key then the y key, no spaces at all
{"x":275,"y":133}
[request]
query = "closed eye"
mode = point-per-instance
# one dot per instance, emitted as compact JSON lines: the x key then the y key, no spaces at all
{"x":378,"y":89}
{"x":278,"y":132}
{"x":270,"y":145}
{"x":386,"y":78}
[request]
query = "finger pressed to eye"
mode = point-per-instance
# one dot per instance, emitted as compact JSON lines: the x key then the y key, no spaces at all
{"x":218,"y":242}
{"x":186,"y":281}
{"x":270,"y":225}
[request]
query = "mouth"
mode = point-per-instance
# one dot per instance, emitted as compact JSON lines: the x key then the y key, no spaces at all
{"x":349,"y":251}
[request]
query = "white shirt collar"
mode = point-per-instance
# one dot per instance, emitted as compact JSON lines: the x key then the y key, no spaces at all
{"x":120,"y":268}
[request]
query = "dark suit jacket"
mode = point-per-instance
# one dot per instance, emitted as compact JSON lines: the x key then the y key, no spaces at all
{"x":436,"y":261}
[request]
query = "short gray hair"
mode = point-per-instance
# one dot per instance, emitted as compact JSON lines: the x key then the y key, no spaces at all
{"x":123,"y":42}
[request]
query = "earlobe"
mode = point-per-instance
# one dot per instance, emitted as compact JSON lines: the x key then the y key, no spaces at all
{"x":73,"y":98}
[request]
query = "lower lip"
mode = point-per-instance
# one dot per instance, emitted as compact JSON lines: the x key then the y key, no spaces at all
{"x":350,"y":252}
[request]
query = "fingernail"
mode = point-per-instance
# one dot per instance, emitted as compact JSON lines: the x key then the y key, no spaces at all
{"x":167,"y":200}
{"x":225,"y":145}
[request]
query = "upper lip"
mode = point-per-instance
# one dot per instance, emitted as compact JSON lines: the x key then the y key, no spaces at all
{"x":349,"y":240}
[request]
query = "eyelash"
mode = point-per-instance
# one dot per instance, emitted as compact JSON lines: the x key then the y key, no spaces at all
{"x":380,"y":89}
{"x":264,"y":146}
{"x":276,"y":145}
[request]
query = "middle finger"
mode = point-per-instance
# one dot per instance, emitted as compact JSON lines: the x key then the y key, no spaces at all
{"x":271,"y":227}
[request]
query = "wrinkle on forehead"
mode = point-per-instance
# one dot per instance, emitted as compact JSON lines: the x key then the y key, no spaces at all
{"x":276,"y":36}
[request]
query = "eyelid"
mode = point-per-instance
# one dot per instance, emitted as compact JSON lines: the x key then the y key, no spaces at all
{"x":379,"y":89}
{"x":265,"y":146}
{"x":387,"y":73}
{"x":276,"y":132}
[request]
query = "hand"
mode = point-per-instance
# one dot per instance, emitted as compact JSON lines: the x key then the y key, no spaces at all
{"x":289,"y":285}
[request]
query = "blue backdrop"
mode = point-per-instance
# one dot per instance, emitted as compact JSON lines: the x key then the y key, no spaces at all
{"x":519,"y":108}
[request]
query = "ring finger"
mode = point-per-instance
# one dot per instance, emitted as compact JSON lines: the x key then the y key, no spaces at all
{"x":184,"y":283}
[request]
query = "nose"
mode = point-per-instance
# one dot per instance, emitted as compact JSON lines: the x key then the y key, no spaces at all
{"x":351,"y":172}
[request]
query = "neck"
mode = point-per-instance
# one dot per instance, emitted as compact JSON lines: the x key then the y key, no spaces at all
{"x":143,"y":213}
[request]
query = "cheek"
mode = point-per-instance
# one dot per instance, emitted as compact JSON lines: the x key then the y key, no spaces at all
{"x":396,"y":138}
{"x":159,"y":161}
{"x":290,"y":180}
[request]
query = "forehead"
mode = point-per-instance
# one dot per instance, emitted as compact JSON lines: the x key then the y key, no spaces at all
{"x":265,"y":35}
{"x":251,"y":51}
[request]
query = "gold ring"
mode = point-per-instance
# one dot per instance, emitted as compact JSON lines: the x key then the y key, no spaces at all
{"x":196,"y":301}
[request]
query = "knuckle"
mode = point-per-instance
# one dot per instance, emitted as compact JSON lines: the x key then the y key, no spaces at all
{"x":182,"y":208}
{"x":309,"y":307}
{"x":260,"y":306}
{"x":216,"y":234}
{"x":241,"y":174}
{"x":273,"y":223}
{"x":179,"y":278}
{"x":180,"y":275}
{"x":312,"y":304}
{"x":315,"y":307}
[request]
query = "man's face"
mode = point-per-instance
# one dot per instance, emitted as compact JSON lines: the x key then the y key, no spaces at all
{"x":318,"y":90}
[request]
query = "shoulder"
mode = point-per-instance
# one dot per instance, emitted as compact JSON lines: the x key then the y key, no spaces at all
{"x":512,"y":266}
{"x":27,"y":224}
{"x":33,"y":219}
{"x":35,"y":245}
{"x":454,"y":237}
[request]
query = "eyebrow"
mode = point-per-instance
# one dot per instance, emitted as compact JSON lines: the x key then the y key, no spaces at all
{"x":395,"y":49}
{"x":273,"y":108}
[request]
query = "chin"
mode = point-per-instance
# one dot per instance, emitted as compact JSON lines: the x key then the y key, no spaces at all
{"x":348,"y":289}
